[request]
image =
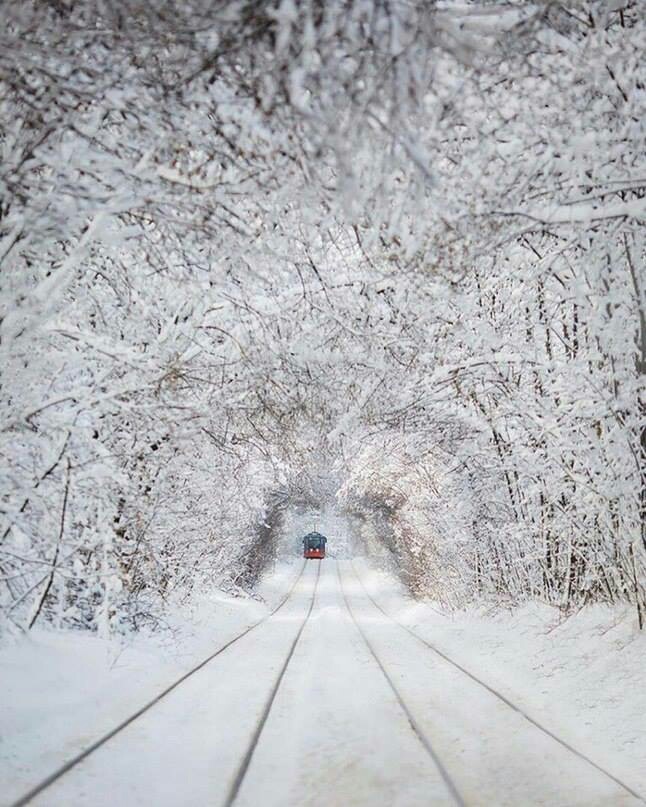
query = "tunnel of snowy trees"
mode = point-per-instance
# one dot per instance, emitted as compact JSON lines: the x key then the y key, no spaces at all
{"x":261,"y":255}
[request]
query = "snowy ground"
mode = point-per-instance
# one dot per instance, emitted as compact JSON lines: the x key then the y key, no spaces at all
{"x":336,"y":733}
{"x":61,"y":691}
{"x":583,"y":677}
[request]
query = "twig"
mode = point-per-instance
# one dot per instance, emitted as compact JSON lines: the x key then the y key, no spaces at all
{"x":56,"y":552}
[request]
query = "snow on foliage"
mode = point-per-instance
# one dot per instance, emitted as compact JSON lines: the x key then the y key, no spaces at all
{"x":243,"y":242}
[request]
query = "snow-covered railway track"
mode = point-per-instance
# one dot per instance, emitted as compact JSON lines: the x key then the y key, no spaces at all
{"x":628,"y":791}
{"x":72,"y":763}
{"x":331,"y":702}
{"x":255,"y":738}
{"x":336,"y":733}
{"x":413,"y":722}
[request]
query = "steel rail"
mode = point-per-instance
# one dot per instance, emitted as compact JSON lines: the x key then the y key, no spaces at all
{"x":241,"y":772}
{"x":74,"y":761}
{"x":519,"y":710}
{"x":415,"y":726}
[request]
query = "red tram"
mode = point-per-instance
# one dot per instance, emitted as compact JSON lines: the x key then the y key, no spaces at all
{"x":314,"y":545}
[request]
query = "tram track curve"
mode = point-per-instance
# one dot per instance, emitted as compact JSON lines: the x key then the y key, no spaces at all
{"x":241,"y":772}
{"x":68,"y":766}
{"x":497,"y":694}
{"x":414,"y":724}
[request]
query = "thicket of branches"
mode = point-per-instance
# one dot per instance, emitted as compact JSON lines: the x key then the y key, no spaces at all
{"x":243,"y":241}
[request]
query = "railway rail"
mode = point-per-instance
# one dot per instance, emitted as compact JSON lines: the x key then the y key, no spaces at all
{"x":414,"y":724}
{"x":68,"y":766}
{"x":496,"y":693}
{"x":255,"y":738}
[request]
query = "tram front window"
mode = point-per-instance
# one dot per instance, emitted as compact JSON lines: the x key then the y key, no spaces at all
{"x":314,"y":542}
